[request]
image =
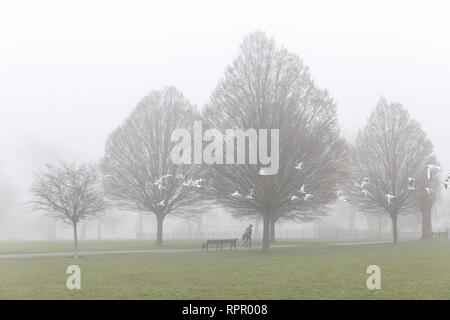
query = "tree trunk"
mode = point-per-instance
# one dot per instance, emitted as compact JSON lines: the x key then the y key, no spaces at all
{"x":426,"y":224}
{"x":75,"y":241}
{"x":159,"y":230}
{"x":272,"y":230}
{"x":266,"y":232}
{"x":394,"y":228}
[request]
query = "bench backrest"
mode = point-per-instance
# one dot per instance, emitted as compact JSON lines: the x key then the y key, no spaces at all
{"x":219,"y":241}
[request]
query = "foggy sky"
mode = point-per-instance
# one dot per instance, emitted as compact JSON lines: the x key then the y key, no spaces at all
{"x":71,"y":71}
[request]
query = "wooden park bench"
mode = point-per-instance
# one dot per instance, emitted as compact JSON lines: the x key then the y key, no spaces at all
{"x":440,"y":235}
{"x":219,"y":243}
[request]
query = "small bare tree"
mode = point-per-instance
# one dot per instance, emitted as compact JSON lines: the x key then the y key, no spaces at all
{"x":70,"y":193}
{"x":388,"y":152}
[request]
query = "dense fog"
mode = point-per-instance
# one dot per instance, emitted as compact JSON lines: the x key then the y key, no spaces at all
{"x":71,"y":74}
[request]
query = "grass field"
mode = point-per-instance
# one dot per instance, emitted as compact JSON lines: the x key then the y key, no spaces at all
{"x":311,"y":270}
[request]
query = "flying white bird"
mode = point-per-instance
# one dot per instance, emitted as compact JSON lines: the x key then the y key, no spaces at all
{"x":235,"y":194}
{"x":342,"y":198}
{"x":179,"y":176}
{"x":197,"y":183}
{"x":308,"y":196}
{"x":302,"y":189}
{"x":429,"y":190}
{"x":162,"y":204}
{"x":363,"y":183}
{"x":299,"y":165}
{"x":364,"y":193}
{"x":389,"y":198}
{"x":293,"y":198}
{"x":251,"y":194}
{"x":430,"y":169}
{"x":263,"y":172}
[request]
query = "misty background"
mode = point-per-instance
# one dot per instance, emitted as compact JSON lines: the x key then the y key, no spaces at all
{"x":70,"y":72}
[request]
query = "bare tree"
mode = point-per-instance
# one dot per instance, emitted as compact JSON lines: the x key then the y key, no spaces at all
{"x":267,"y":87}
{"x":71,"y":193}
{"x":391,"y":149}
{"x":138,"y":171}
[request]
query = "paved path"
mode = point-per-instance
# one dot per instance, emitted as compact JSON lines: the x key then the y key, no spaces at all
{"x":88,"y":253}
{"x":357,"y":243}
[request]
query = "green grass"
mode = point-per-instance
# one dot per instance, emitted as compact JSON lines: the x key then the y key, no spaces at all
{"x":313,"y":270}
{"x":92,"y":245}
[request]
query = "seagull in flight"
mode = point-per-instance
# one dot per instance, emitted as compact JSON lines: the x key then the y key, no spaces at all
{"x":251,"y":194}
{"x":429,"y":190}
{"x":430,"y":169}
{"x":299,"y":165}
{"x":363,"y":183}
{"x":389,"y":198}
{"x":197,"y":183}
{"x":302,"y":189}
{"x":308,"y":196}
{"x":263,"y":172}
{"x":293,"y":198}
{"x":236,"y":194}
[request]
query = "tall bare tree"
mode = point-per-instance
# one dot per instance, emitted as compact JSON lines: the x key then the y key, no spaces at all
{"x":391,"y":149}
{"x":71,"y":193}
{"x":138,"y":171}
{"x":268,"y":87}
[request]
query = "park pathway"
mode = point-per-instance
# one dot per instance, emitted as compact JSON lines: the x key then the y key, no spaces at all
{"x":88,"y":253}
{"x":357,"y":243}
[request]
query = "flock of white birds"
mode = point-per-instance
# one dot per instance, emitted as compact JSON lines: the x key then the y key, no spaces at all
{"x":160,"y":183}
{"x":431,"y":168}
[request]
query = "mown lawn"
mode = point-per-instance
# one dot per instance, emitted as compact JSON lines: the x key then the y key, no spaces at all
{"x":312,"y":270}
